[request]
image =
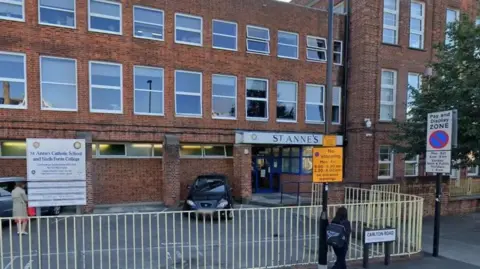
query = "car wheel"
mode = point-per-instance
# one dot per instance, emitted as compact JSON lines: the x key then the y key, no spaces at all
{"x":56,"y":210}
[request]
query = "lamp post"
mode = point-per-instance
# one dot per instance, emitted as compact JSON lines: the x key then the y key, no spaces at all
{"x":149,"y":95}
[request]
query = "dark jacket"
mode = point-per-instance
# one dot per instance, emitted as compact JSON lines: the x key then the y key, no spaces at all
{"x":348,"y":227}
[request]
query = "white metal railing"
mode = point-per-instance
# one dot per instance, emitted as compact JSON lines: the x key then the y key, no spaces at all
{"x":386,"y":187}
{"x":464,"y":187}
{"x":254,"y":238}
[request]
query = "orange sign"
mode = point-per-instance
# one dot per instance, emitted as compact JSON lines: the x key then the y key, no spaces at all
{"x":329,"y":141}
{"x":327,"y":165}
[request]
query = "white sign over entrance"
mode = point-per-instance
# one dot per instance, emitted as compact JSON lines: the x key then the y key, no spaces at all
{"x":274,"y":138}
{"x":56,"y":172}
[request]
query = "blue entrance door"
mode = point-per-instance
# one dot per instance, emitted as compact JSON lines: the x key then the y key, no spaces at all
{"x":264,"y":174}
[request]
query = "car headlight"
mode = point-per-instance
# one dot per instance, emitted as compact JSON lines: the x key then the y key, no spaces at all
{"x":191,"y":203}
{"x":222,"y":203}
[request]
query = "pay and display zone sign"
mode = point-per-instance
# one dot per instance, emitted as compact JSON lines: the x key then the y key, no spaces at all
{"x":440,"y":128}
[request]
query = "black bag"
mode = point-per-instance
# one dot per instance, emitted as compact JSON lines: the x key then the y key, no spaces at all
{"x":336,"y":235}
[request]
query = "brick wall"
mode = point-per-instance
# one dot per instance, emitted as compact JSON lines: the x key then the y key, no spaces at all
{"x":127,"y":181}
{"x":13,"y":168}
{"x":191,"y":168}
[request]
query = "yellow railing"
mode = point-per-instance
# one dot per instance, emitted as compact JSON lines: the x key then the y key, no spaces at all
{"x":464,"y":187}
{"x":386,"y":187}
{"x":316,"y":198}
{"x":253,"y":238}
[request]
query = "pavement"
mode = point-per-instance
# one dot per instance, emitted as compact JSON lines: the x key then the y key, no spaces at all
{"x":459,"y":238}
{"x":279,"y":199}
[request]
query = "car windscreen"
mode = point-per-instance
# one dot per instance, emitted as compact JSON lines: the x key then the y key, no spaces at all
{"x":209,"y":185}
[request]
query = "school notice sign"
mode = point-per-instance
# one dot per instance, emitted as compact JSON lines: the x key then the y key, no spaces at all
{"x":56,"y":172}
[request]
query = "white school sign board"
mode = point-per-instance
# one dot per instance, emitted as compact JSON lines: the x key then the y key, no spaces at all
{"x":56,"y":172}
{"x":440,"y":131}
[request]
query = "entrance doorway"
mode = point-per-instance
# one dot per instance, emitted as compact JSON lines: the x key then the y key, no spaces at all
{"x":266,"y":169}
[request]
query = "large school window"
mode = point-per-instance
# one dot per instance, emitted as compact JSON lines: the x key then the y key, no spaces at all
{"x":127,"y":150}
{"x":297,"y":160}
{"x":13,"y":149}
{"x":206,"y":151}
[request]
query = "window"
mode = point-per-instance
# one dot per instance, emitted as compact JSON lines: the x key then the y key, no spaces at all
{"x":106,"y":94}
{"x":258,"y":39}
{"x":287,"y":101}
{"x":316,"y":48}
{"x":287,"y":45}
{"x":454,"y":173}
{"x":387,"y":95}
{"x":314,"y":104}
{"x":291,"y":160}
{"x":224,"y":35}
{"x":472,"y":171}
{"x":338,"y":52}
{"x":307,"y":162}
{"x":390,"y":21}
{"x":105,"y":16}
{"x":13,"y":10}
{"x":57,"y":13}
{"x":58,"y":78}
{"x":257,"y":99}
{"x":452,"y":16}
{"x":127,"y":150}
{"x":188,"y":93}
{"x":415,"y":82}
{"x":188,"y":30}
{"x":206,"y":151}
{"x":13,"y":92}
{"x":336,"y":104}
{"x":385,"y":162}
{"x":417,"y":24}
{"x":224,"y":97}
{"x":148,"y":99}
{"x":148,"y":23}
{"x":411,"y":166}
{"x":13,"y":149}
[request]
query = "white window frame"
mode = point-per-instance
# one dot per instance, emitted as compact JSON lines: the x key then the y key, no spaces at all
{"x":339,"y":105}
{"x":317,"y":49}
{"x":416,"y":162}
{"x":338,"y":52}
{"x":189,"y":30}
{"x":59,"y":9}
{"x":408,"y":90}
{"x":22,"y":4}
{"x":106,"y":17}
{"x":224,"y":96}
{"x":289,"y":101}
{"x":147,"y":90}
{"x":390,"y":162}
{"x":394,"y":88}
{"x":393,"y":28}
{"x":144,"y":22}
{"x":96,"y":152}
{"x":202,"y":149}
{"x":200,"y":94}
{"x":267,"y":41}
{"x":24,"y":81}
{"x":105,"y":87}
{"x":288,"y":45}
{"x":57,"y":83}
{"x":473,"y":174}
{"x":256,"y":99}
{"x":422,"y":19}
{"x":315,"y":103}
{"x":457,"y":17}
{"x":236,"y":35}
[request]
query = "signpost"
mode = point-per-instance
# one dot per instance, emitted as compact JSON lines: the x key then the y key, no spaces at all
{"x":441,"y":137}
{"x":372,"y":236}
{"x":56,"y":172}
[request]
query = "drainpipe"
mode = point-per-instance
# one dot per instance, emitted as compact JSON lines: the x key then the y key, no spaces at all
{"x":346,"y":65}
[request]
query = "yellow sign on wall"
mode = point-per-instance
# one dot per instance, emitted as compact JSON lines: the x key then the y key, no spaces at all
{"x":327,"y":165}
{"x":329,"y":140}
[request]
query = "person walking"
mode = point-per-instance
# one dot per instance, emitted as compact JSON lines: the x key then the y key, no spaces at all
{"x":338,"y":236}
{"x":19,"y":198}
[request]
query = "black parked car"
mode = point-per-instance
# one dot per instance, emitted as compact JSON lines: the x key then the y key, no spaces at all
{"x":7,"y":184}
{"x":210,"y":194}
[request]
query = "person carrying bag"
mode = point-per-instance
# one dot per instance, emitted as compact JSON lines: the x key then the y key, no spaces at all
{"x":338,"y":237}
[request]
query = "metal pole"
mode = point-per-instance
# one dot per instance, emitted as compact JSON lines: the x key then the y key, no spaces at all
{"x":436,"y":229}
{"x":323,"y":248}
{"x":149,"y":96}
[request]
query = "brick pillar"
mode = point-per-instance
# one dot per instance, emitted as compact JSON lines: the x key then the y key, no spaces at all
{"x":171,"y":170}
{"x":242,"y":167}
{"x":90,"y":173}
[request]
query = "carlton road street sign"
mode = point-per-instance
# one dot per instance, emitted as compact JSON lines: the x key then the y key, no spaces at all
{"x":441,"y":134}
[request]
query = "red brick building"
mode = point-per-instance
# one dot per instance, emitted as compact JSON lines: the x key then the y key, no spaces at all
{"x":167,"y":90}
